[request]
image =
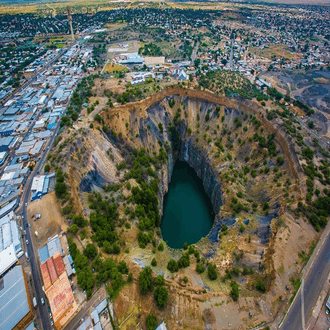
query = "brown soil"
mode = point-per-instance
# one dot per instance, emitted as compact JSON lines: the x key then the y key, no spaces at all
{"x":51,"y":222}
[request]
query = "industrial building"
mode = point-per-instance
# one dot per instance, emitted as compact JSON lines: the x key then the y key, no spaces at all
{"x":15,"y":305}
{"x":9,"y":234}
{"x":56,"y":283}
{"x":131,"y":58}
{"x":40,"y":185}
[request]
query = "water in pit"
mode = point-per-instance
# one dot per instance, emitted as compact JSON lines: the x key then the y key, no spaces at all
{"x":188,"y":215}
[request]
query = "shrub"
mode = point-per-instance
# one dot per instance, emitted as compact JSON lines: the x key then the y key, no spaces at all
{"x":154,"y":262}
{"x":184,"y":261}
{"x":122,"y":267}
{"x":211,"y":272}
{"x":73,"y":229}
{"x":47,"y":168}
{"x":172,"y":266}
{"x":161,"y":296}
{"x":161,"y":247}
{"x":151,"y":321}
{"x":245,"y":271}
{"x":90,"y":251}
{"x":199,"y":268}
{"x":261,"y":286}
{"x":234,"y":290}
{"x":160,"y":280}
{"x":145,"y":281}
{"x":130,"y":277}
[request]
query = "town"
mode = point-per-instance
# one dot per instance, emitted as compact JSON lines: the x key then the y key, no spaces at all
{"x":63,"y":71}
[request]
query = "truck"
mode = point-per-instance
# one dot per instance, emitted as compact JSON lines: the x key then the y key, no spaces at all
{"x":35,"y":302}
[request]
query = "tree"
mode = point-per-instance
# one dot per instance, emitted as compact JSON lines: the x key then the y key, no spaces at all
{"x":172,"y":266}
{"x":211,"y":272}
{"x":161,"y":296}
{"x":115,"y":248}
{"x":122,"y":267}
{"x":90,"y":251}
{"x":199,"y":268}
{"x":145,"y":281}
{"x":184,"y":261}
{"x":261,"y":286}
{"x":154,"y":262}
{"x":160,"y":280}
{"x":73,"y":229}
{"x":151,"y":321}
{"x":234,"y":290}
{"x":47,"y":168}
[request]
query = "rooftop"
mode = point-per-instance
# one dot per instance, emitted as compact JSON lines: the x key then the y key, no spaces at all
{"x":14,"y":304}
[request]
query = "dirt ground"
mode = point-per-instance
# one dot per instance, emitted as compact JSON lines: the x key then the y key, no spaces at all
{"x":51,"y":222}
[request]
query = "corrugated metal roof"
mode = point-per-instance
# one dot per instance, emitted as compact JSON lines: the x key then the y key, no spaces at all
{"x":95,"y":316}
{"x":13,"y":299}
{"x":31,"y":326}
{"x":58,"y":262}
{"x":54,"y":246}
{"x":101,"y":306}
{"x":86,"y":325}
{"x":43,"y":254}
{"x":162,"y":326}
{"x":51,"y":269}
{"x":98,"y":326}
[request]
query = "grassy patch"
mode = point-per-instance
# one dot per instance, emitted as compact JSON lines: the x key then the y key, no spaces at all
{"x":112,"y":68}
{"x":296,"y":285}
{"x":305,"y":256}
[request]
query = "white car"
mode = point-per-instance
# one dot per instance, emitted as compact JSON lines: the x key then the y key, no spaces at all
{"x":25,"y":204}
{"x":42,"y":301}
{"x":27,"y":242}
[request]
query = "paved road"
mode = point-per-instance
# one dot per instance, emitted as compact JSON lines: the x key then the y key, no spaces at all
{"x":194,"y":54}
{"x":36,"y":276}
{"x":313,"y":284}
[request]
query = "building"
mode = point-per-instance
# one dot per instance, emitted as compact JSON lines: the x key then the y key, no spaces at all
{"x":15,"y":305}
{"x":9,"y":234}
{"x":154,"y":60}
{"x":132,"y":58}
{"x":162,"y":326}
{"x":3,"y":155}
{"x":58,"y":290}
{"x":327,"y":305}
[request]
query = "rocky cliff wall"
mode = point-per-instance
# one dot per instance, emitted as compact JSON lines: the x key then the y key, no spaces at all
{"x":199,"y":161}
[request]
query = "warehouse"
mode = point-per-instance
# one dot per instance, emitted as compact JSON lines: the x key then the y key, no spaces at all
{"x":15,"y":305}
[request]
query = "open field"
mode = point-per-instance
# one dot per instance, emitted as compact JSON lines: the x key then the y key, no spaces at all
{"x":51,"y":221}
{"x":278,"y":50}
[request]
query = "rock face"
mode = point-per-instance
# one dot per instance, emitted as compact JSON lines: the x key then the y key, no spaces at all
{"x":199,"y":161}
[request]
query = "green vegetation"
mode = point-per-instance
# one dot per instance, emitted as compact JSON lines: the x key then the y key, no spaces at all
{"x":145,"y":281}
{"x":150,"y":49}
{"x":234,"y":290}
{"x":212,"y":272}
{"x":151,"y":321}
{"x":230,"y":83}
{"x":80,"y":96}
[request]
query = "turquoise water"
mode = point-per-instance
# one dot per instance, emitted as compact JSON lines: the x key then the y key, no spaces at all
{"x":188,"y":215}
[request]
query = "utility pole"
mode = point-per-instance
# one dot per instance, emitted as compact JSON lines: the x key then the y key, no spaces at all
{"x":70,"y":22}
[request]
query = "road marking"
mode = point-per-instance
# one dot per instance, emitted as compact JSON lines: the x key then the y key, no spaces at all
{"x":302,"y":304}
